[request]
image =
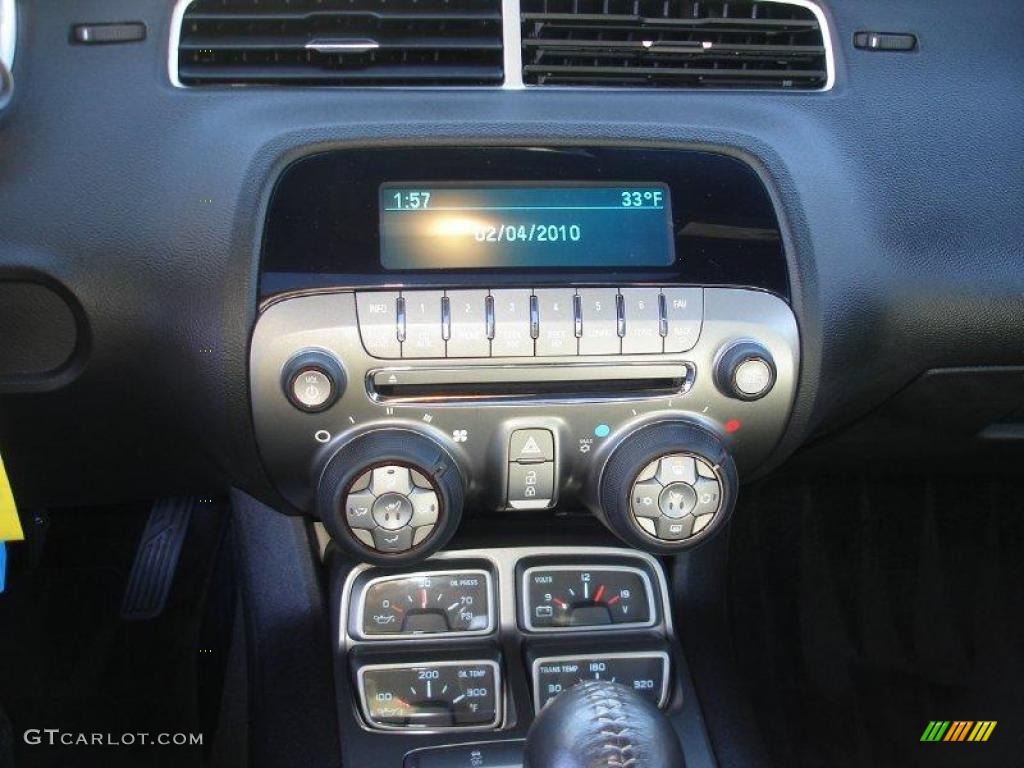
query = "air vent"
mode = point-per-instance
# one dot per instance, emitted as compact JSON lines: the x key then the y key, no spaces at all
{"x":674,"y":44}
{"x":341,"y":42}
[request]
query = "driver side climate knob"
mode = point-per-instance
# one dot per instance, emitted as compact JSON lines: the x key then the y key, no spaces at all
{"x":391,"y":497}
{"x":667,"y":486}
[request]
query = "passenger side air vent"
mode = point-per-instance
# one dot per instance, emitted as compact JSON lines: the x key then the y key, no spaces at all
{"x":341,"y":42}
{"x":674,"y":44}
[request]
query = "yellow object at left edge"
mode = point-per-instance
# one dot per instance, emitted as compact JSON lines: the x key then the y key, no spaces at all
{"x":10,"y":525}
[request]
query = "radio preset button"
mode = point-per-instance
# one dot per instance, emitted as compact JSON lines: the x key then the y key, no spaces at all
{"x":468,"y":318}
{"x":556,"y":336}
{"x":643,"y":321}
{"x":378,"y":322}
{"x":423,"y":328}
{"x":684,"y":314}
{"x":512,"y":324}
{"x":598,"y":322}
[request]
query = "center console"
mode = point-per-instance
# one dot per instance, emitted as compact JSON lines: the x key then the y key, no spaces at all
{"x":514,"y":334}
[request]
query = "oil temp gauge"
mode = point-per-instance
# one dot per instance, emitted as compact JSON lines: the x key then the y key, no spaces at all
{"x":432,"y":695}
{"x":567,"y":598}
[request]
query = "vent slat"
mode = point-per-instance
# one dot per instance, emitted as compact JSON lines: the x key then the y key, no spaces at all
{"x":378,"y":75}
{"x":672,"y":44}
{"x":383,"y":15}
{"x":341,"y":42}
{"x":241,"y":43}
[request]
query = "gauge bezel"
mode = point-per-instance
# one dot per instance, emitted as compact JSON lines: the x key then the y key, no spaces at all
{"x":499,"y":696}
{"x":524,"y":601}
{"x":356,"y":621}
{"x":666,"y":668}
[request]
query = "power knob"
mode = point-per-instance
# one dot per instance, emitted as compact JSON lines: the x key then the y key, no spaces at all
{"x":745,"y":371}
{"x":391,"y":496}
{"x":313,"y":380}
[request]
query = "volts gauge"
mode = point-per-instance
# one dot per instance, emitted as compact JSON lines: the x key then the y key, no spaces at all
{"x":563,"y":598}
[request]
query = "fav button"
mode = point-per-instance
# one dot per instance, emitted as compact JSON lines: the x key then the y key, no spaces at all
{"x":684,"y":314}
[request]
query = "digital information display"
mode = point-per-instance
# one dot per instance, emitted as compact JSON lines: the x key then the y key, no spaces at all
{"x":513,"y":226}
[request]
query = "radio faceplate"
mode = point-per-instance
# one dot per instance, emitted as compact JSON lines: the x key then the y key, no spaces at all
{"x":484,"y":409}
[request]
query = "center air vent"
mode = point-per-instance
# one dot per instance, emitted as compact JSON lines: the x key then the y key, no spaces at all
{"x":341,"y":42}
{"x":673,"y":44}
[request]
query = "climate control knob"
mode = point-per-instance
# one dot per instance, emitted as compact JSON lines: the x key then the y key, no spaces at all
{"x":667,"y":486}
{"x":745,"y":371}
{"x":391,"y":496}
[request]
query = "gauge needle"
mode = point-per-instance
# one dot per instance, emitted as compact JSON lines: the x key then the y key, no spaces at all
{"x":398,"y":608}
{"x":423,"y":598}
{"x":597,"y":595}
{"x":614,"y":600}
{"x":560,"y":604}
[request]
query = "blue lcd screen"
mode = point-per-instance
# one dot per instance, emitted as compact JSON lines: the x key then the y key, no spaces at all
{"x":514,"y":226}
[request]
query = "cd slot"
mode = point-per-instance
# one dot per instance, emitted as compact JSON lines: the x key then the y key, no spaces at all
{"x":624,"y":381}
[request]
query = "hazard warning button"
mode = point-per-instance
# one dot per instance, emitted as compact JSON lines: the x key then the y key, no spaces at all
{"x":531,"y":445}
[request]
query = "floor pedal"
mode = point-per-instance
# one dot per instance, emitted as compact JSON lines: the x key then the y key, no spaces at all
{"x":156,"y":559}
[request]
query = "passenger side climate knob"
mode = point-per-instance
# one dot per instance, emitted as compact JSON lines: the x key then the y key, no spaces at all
{"x":667,"y":486}
{"x":391,"y":497}
{"x":745,"y":371}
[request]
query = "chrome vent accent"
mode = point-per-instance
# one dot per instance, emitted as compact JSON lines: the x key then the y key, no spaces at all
{"x":340,"y":42}
{"x":675,"y":44}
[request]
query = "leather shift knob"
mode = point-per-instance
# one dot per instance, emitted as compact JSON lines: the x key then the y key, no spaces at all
{"x":598,"y":724}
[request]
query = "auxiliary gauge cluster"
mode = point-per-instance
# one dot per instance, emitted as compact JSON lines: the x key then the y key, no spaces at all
{"x":482,"y":640}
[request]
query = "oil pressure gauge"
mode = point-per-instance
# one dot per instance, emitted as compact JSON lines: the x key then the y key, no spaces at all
{"x":424,"y":604}
{"x":570,"y":597}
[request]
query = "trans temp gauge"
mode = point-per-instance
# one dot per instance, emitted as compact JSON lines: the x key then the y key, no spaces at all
{"x":445,"y":694}
{"x":646,"y":672}
{"x":434,"y":603}
{"x":564,"y":598}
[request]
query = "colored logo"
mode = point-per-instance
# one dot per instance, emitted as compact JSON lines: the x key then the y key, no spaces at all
{"x":958,"y":730}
